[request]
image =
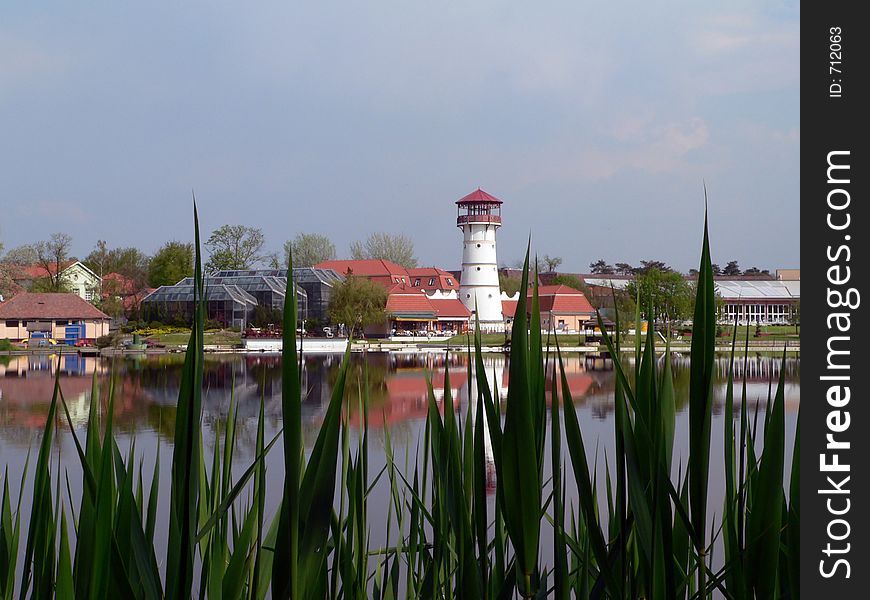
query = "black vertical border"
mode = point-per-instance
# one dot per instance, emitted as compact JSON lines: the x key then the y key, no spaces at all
{"x":834,"y":124}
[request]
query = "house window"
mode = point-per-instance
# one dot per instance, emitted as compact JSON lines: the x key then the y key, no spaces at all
{"x":11,"y":323}
{"x":89,"y":295}
{"x":449,"y":282}
{"x":417,"y":282}
{"x":61,"y":322}
{"x":431,"y":281}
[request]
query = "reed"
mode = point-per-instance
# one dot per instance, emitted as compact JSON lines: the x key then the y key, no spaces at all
{"x":655,"y":538}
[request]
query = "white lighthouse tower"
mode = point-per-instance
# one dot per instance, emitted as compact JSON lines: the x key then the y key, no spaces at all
{"x":479,"y":216}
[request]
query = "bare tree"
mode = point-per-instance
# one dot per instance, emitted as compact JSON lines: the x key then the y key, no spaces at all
{"x":396,"y":248}
{"x":308,"y":250}
{"x":52,"y":256}
{"x":552,"y":262}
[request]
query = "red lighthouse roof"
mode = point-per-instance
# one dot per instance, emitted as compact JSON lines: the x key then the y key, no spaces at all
{"x":478,"y":196}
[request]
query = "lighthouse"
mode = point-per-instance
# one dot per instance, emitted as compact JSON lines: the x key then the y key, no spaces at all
{"x":479,"y":217}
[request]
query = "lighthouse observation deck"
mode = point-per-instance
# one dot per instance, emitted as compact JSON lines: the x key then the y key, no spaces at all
{"x":478,"y":207}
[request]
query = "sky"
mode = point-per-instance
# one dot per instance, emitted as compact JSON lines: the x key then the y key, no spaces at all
{"x":596,"y":123}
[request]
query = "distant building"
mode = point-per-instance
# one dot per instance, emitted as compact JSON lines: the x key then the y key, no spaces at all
{"x":233,"y":296}
{"x":788,"y":274}
{"x":758,"y":302}
{"x":430,"y":279}
{"x":562,"y":308}
{"x":76,"y":277}
{"x":63,"y":317}
{"x":382,"y":272}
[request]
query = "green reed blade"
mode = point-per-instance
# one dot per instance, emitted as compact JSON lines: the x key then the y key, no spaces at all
{"x":701,"y":394}
{"x":763,"y":522}
{"x":184,"y":490}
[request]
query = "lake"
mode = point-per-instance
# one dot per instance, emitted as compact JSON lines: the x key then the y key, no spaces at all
{"x":146,"y":388}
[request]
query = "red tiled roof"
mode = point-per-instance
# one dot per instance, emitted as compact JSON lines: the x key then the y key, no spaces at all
{"x":444,"y":280}
{"x":479,"y":196}
{"x":49,"y":306}
{"x":36,"y":271}
{"x":400,"y":301}
{"x":563,"y":299}
{"x":450,"y":307}
{"x":379,"y":271}
{"x":364,"y":268}
{"x":509,"y":308}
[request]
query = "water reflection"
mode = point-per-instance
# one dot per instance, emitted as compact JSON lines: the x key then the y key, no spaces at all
{"x":146,"y":388}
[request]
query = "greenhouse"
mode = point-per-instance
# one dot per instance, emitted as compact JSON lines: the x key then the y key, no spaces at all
{"x":230,"y":299}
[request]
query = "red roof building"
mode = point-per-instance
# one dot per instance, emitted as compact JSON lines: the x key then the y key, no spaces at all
{"x":430,"y":279}
{"x":50,"y":314}
{"x":380,"y":271}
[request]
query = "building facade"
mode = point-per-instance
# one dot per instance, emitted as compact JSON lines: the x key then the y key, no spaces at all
{"x":64,"y":317}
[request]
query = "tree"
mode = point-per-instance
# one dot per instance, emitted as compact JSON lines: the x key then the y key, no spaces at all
{"x":358,"y":303}
{"x":572,"y":281}
{"x":648,"y":265}
{"x":794,"y":315}
{"x":234,"y":247}
{"x":52,"y":256}
{"x":21,"y":256}
{"x":396,"y":248}
{"x":717,"y":270}
{"x":624,"y":268}
{"x":172,"y":263}
{"x":552,"y":263}
{"x":667,"y":292}
{"x":309,"y":249}
{"x":731,"y":269}
{"x":602,"y":268}
{"x":756,"y":271}
{"x":509,"y":285}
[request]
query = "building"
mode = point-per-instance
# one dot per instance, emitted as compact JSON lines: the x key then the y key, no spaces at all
{"x":76,"y":277}
{"x":479,"y":217}
{"x":60,"y":316}
{"x":382,"y":272}
{"x":430,"y":279}
{"x":231,"y":298}
{"x":758,"y":301}
{"x":563,"y":308}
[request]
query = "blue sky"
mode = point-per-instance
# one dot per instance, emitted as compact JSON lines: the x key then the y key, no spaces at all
{"x":596,"y":123}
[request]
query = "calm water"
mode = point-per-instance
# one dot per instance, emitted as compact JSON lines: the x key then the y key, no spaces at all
{"x":147,"y":388}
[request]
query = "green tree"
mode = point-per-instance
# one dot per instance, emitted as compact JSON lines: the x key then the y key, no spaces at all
{"x":396,"y":248}
{"x":358,"y":303}
{"x":234,"y":247}
{"x":794,"y":316}
{"x":172,"y":263}
{"x":624,"y":268}
{"x":601,"y":267}
{"x":309,"y":249}
{"x":731,"y":269}
{"x":509,"y":285}
{"x":667,"y":292}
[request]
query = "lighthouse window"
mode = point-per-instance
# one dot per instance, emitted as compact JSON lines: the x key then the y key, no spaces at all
{"x":468,"y":295}
{"x":478,"y":268}
{"x":478,"y":245}
{"x":490,"y":295}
